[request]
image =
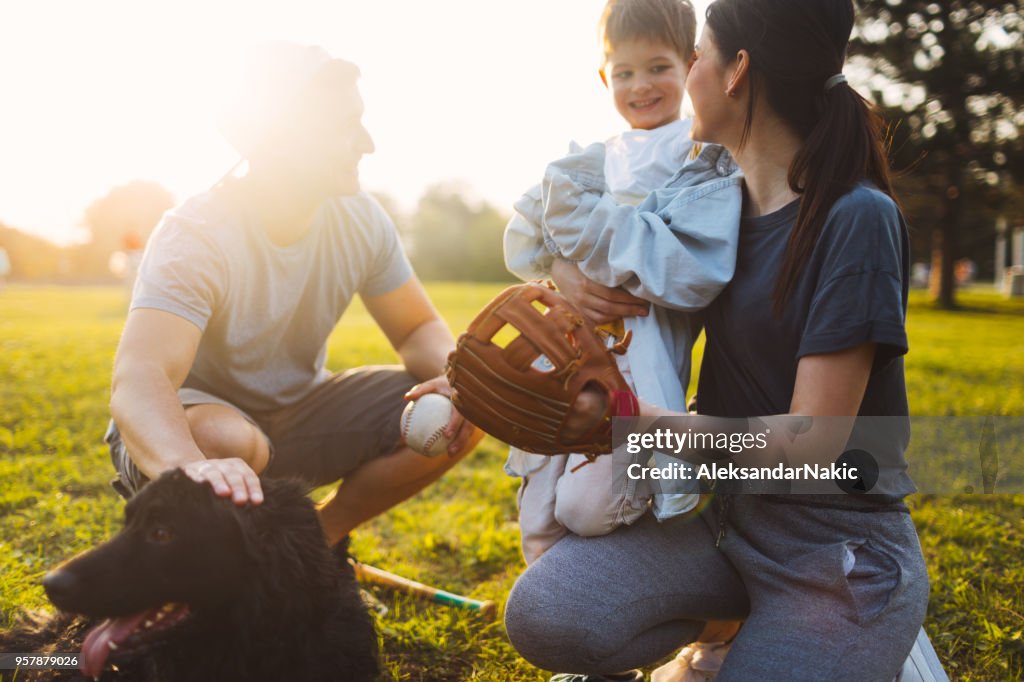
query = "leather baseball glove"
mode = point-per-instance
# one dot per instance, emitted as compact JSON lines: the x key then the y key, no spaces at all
{"x":525,"y":391}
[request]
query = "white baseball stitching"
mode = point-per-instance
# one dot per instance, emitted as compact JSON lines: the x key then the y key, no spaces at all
{"x":433,"y":439}
{"x":407,"y":425}
{"x":407,"y":422}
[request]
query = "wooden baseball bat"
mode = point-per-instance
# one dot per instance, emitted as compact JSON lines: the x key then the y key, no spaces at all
{"x":378,"y":576}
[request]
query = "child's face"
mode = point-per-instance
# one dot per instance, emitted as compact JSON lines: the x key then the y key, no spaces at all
{"x":647,"y":80}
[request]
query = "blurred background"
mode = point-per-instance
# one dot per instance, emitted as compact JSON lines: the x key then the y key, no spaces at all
{"x":109,"y":119}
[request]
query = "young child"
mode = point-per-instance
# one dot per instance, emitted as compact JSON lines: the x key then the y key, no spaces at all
{"x":648,"y":46}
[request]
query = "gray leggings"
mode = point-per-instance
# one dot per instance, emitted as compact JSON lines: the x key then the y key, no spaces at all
{"x":625,"y":600}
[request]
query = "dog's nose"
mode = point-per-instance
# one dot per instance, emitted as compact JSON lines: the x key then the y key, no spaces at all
{"x":59,"y":585}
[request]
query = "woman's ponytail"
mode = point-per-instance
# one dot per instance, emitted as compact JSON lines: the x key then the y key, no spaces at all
{"x":845,"y":146}
{"x":797,"y":49}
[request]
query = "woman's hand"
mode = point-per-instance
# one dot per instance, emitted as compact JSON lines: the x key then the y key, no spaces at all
{"x":599,"y":303}
{"x":587,"y":411}
{"x":590,"y":408}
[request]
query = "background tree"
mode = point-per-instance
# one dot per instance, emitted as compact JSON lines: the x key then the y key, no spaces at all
{"x":394,"y":211}
{"x":948,"y":75}
{"x":30,"y":257}
{"x":122,"y":220}
{"x":450,"y":238}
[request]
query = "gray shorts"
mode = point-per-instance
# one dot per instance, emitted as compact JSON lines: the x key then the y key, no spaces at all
{"x":349,"y":419}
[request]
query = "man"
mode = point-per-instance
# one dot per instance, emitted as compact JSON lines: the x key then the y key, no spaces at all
{"x":220,"y":370}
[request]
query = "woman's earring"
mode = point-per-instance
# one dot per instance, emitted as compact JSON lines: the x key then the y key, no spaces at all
{"x":730,"y":93}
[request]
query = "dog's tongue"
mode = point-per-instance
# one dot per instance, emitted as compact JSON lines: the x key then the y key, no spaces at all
{"x":96,"y":647}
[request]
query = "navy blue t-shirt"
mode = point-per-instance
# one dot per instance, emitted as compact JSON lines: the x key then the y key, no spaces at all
{"x":852,"y":290}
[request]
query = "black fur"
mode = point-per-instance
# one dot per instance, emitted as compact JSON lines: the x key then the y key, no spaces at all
{"x":268,"y":600}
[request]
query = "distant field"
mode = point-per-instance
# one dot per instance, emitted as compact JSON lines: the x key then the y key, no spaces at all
{"x":56,"y":349}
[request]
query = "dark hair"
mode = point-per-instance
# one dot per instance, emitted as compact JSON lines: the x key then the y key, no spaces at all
{"x":673,"y":22}
{"x":795,"y":46}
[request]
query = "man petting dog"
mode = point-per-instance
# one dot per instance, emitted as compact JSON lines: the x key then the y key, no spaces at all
{"x":220,"y":370}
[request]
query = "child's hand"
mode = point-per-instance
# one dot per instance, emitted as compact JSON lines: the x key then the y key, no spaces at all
{"x":599,"y":303}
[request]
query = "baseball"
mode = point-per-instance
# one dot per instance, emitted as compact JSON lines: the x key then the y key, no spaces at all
{"x":423,"y":422}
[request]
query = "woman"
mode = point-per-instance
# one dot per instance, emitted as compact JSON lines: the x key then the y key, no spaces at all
{"x":831,"y":587}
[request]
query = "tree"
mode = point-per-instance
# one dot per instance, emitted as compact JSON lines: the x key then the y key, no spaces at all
{"x":30,"y":257}
{"x":452,"y":239}
{"x":394,"y":211}
{"x":948,"y":75}
{"x":121,"y":220}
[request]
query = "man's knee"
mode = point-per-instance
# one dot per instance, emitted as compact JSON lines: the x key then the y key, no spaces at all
{"x":221,"y":432}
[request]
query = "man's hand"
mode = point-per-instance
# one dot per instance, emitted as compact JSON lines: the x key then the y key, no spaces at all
{"x":459,"y":432}
{"x":229,"y":477}
{"x":599,"y":303}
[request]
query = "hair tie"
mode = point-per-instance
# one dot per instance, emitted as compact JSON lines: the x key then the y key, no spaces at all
{"x":834,"y":81}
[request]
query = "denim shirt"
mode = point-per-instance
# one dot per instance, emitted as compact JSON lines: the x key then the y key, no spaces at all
{"x":676,"y":249}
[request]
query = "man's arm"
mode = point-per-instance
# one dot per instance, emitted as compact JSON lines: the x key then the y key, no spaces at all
{"x":413,"y":327}
{"x":423,"y":341}
{"x":153,"y":358}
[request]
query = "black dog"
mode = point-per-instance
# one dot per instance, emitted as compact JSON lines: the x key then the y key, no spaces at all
{"x":196,"y":588}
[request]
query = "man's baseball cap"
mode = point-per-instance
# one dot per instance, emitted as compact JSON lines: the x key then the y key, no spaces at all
{"x":272,"y":77}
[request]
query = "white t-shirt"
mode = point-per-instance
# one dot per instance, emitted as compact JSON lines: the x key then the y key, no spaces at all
{"x":637,"y":162}
{"x":265,"y":310}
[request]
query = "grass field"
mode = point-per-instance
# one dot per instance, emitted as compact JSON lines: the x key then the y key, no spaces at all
{"x":56,"y":348}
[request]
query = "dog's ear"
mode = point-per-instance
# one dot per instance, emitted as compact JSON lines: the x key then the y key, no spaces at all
{"x":284,"y":529}
{"x":248,"y":531}
{"x":201,"y":498}
{"x":285,"y":515}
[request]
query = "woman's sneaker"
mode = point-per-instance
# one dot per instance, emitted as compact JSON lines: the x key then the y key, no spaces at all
{"x":697,"y":662}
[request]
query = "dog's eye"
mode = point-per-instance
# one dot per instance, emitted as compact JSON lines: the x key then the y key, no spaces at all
{"x":161,"y":535}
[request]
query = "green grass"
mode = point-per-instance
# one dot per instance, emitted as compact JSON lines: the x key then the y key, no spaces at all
{"x":56,"y":349}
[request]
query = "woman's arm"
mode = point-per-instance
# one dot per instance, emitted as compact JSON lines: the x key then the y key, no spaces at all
{"x":829,"y":385}
{"x":832,"y":384}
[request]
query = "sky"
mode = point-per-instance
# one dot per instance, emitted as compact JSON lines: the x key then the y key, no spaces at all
{"x":95,"y":94}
